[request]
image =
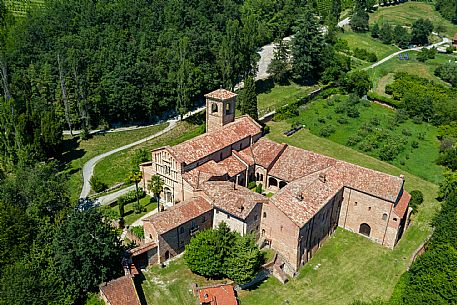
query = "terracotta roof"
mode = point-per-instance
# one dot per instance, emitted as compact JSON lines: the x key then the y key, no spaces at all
{"x":295,"y":163}
{"x":217,"y":295}
{"x":142,"y":249}
{"x":211,"y":142}
{"x":179,"y":214}
{"x":121,"y":291}
{"x":263,"y":152}
{"x":220,"y":94}
{"x":402,"y":206}
{"x":232,"y":166}
{"x":245,"y":155}
{"x":239,"y":202}
{"x":203,"y":173}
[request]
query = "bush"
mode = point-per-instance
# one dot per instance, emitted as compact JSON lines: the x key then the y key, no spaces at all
{"x":327,"y":131}
{"x":258,"y":188}
{"x":321,"y":120}
{"x":415,"y":144}
{"x":450,"y":49}
{"x":97,"y":185}
{"x":383,"y":99}
{"x":340,"y":108}
{"x":365,"y":55}
{"x":406,"y":132}
{"x":131,"y":196}
{"x":353,"y":112}
{"x":252,"y":185}
{"x":286,"y":112}
{"x":138,"y":231}
{"x":416,"y":200}
{"x":354,"y":139}
{"x":375,"y":121}
{"x":342,"y":120}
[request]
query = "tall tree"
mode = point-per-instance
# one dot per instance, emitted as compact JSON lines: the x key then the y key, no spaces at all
{"x":359,"y":19}
{"x":135,"y":177}
{"x":155,"y":185}
{"x":229,"y":55}
{"x":279,"y":66}
{"x":306,"y":49}
{"x":422,"y":28}
{"x":249,"y":99}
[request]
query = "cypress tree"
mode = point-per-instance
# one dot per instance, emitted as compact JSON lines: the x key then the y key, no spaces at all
{"x":249,"y":98}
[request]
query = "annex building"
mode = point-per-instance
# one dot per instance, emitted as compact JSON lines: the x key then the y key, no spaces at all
{"x":206,"y":180}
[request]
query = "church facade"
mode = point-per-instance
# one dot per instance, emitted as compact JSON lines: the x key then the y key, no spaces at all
{"x":206,"y":179}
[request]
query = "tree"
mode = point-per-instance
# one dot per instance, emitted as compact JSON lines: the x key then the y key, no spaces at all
{"x":416,"y":200}
{"x":306,"y":49}
{"x":97,"y":185}
{"x":359,"y":19}
{"x":375,"y":31}
{"x":135,"y":177}
{"x":448,"y":73}
{"x":358,"y":82}
{"x":448,"y":9}
{"x":229,"y":55}
{"x":448,"y":185}
{"x":139,"y":156}
{"x":401,"y":36}
{"x":87,"y":250}
{"x":155,"y":186}
{"x":336,"y":9}
{"x":386,"y":33}
{"x":249,"y":99}
{"x":244,"y":260}
{"x":279,"y":66}
{"x":422,"y":28}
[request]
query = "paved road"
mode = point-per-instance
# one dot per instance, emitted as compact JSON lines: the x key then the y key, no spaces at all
{"x":443,"y":41}
{"x":88,"y":168}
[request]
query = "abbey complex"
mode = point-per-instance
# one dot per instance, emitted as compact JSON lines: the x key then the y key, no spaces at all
{"x":206,"y":181}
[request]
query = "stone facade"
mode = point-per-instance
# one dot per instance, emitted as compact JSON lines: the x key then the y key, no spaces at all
{"x":206,"y":177}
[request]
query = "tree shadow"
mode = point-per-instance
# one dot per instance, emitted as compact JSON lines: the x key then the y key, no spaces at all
{"x":138,"y":280}
{"x":264,"y":85}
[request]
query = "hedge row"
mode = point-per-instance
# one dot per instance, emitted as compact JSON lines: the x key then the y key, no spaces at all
{"x":383,"y":99}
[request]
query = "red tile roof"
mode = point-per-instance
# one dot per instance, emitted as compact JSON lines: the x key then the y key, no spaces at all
{"x":232,"y":166}
{"x":264,"y":152}
{"x":295,"y":163}
{"x":239,"y":202}
{"x":179,"y":214}
{"x":402,"y":206}
{"x":211,"y":142}
{"x":121,"y":291}
{"x":220,"y":94}
{"x":142,"y":249}
{"x":203,"y":173}
{"x":217,"y":295}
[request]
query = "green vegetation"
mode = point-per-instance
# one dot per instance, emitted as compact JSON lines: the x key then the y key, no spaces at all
{"x":20,"y":8}
{"x":115,"y":168}
{"x":375,"y":132}
{"x":77,"y":152}
{"x":365,"y":41}
{"x":220,"y":253}
{"x":147,"y":205}
{"x":407,"y":13}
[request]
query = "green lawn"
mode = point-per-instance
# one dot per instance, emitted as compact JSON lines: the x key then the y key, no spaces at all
{"x":383,"y":74}
{"x":272,"y":98}
{"x":419,"y":161}
{"x":129,"y":215}
{"x":78,"y":152}
{"x":407,"y":13}
{"x":365,"y":41}
{"x":115,"y":168}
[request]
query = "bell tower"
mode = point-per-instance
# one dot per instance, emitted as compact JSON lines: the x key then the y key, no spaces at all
{"x":220,"y":108}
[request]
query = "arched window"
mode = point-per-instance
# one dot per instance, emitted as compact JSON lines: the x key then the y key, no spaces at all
{"x":282,"y":184}
{"x":263,"y":232}
{"x":257,"y":177}
{"x":167,"y":255}
{"x":214,"y":108}
{"x":384,"y":216}
{"x":395,"y":219}
{"x":264,"y":214}
{"x":365,"y":229}
{"x":272,"y":182}
{"x":227,"y":108}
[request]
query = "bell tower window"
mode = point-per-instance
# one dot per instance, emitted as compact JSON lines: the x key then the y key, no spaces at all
{"x":214,"y":108}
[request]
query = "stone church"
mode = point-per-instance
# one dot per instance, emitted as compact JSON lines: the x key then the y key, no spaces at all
{"x":206,"y":181}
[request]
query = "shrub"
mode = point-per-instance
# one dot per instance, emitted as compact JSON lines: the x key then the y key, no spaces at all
{"x":138,"y":231}
{"x":353,"y":112}
{"x":258,"y":188}
{"x":327,"y":131}
{"x":421,"y":135}
{"x":363,"y":54}
{"x":252,"y":185}
{"x":416,"y":199}
{"x":366,"y":146}
{"x":342,"y":120}
{"x":97,"y":185}
{"x":415,"y":144}
{"x":354,"y":139}
{"x":340,"y":108}
{"x":321,"y":120}
{"x":131,"y":196}
{"x":375,"y":121}
{"x":450,"y":49}
{"x":330,"y":102}
{"x":286,"y":112}
{"x":383,"y":99}
{"x":406,"y":132}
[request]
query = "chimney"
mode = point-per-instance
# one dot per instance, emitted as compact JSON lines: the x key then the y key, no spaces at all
{"x":323,"y":177}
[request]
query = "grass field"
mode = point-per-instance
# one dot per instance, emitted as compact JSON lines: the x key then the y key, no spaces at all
{"x":419,"y":161}
{"x":352,"y":267}
{"x":407,"y":13}
{"x":129,"y":215}
{"x":115,"y":168}
{"x":383,"y":74}
{"x":365,"y":41}
{"x":78,"y":152}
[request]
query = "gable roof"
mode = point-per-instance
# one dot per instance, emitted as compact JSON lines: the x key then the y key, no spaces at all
{"x":264,"y":152}
{"x":217,"y":295}
{"x":402,"y":206}
{"x":179,"y":214}
{"x":121,"y":291}
{"x":207,"y":144}
{"x":232,"y":198}
{"x":220,"y":94}
{"x":232,"y":166}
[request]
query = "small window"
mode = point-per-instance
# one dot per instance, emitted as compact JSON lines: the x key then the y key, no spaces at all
{"x":227,"y":108}
{"x":264,"y":214}
{"x":257,"y":228}
{"x":355,"y":203}
{"x":214,"y":108}
{"x":395,"y":219}
{"x":384,"y":216}
{"x":281,"y":228}
{"x":217,"y":211}
{"x":150,"y":236}
{"x":369,"y":208}
{"x":228,"y":216}
{"x":181,"y":230}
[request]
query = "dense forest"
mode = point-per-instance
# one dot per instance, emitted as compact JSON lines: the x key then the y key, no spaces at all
{"x":448,"y":9}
